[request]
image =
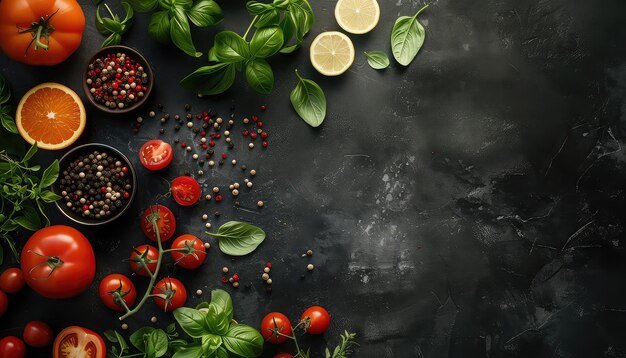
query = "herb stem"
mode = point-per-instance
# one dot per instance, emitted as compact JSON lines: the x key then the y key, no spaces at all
{"x":250,"y":27}
{"x":420,"y":10}
{"x":109,"y":10}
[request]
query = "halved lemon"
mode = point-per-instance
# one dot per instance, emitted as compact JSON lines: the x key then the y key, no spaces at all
{"x":332,"y":53}
{"x":357,"y":16}
{"x":52,"y":115}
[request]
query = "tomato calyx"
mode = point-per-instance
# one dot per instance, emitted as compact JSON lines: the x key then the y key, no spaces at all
{"x":276,"y":331}
{"x":118,"y":295}
{"x":143,"y":260}
{"x":166,"y":294}
{"x":52,"y":261}
{"x":187,"y":250}
{"x":39,"y":29}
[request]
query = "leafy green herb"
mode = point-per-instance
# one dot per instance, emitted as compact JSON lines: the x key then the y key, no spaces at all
{"x":180,"y":32}
{"x":345,"y":348}
{"x":309,"y":101}
{"x":237,"y":238}
{"x":112,"y":26}
{"x":260,"y":75}
{"x":407,"y":38}
{"x":377,"y":60}
{"x":5,"y":107}
{"x":212,"y":79}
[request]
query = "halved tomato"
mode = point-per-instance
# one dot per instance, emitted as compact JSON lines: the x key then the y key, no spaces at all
{"x":75,"y":342}
{"x":186,"y":190}
{"x":166,"y":223}
{"x":155,"y":154}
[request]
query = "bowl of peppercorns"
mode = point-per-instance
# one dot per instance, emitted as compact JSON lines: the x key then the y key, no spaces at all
{"x":97,"y":184}
{"x":118,"y":79}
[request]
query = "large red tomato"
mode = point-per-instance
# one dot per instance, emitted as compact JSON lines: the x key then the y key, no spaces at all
{"x":75,"y":341}
{"x":58,"y":262}
{"x":40,"y":32}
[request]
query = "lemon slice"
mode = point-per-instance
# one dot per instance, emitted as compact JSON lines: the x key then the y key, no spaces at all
{"x":332,"y":53}
{"x":357,"y":16}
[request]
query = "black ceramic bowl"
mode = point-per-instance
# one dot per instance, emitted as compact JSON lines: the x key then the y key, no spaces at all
{"x":87,"y":149}
{"x":135,"y":56}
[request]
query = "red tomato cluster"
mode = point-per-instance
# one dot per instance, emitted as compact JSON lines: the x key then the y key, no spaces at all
{"x":36,"y":334}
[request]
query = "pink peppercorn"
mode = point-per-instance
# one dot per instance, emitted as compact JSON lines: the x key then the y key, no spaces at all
{"x":264,"y":144}
{"x":183,"y":144}
{"x":263,"y":107}
{"x":245,"y":133}
{"x":218,"y":198}
{"x":212,"y":143}
{"x":259,"y":124}
{"x":264,"y":135}
{"x":253,"y":135}
{"x":224,"y":156}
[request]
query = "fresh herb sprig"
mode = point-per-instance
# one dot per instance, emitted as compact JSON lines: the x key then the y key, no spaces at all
{"x":113,"y":27}
{"x":5,"y":106}
{"x":280,"y":27}
{"x":309,"y":101}
{"x":170,"y":20}
{"x":377,"y":60}
{"x":237,"y":238}
{"x":407,"y":38}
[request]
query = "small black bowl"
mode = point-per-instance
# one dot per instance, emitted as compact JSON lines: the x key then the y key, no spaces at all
{"x":87,"y":149}
{"x":138,"y":58}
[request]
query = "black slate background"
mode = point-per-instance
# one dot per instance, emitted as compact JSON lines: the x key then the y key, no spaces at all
{"x":470,"y":205}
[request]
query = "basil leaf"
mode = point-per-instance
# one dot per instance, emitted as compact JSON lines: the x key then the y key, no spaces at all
{"x":181,"y":33}
{"x":111,"y":25}
{"x":377,"y":60}
{"x":205,"y":13}
{"x":138,"y":339}
{"x":281,"y":4}
{"x":210,"y":80}
{"x":189,"y":352}
{"x":220,"y":312}
{"x":143,"y":5}
{"x":309,"y":101}
{"x":159,"y":27}
{"x":8,"y":123}
{"x":230,"y":47}
{"x":257,"y":8}
{"x":238,"y":238}
{"x":29,"y":219}
{"x":222,"y":300}
{"x":113,"y":39}
{"x":31,"y":151}
{"x":185,"y":4}
{"x":221,"y":352}
{"x":5,"y":90}
{"x":210,"y":344}
{"x":130,"y":15}
{"x":100,"y":23}
{"x":49,"y":175}
{"x":243,"y":340}
{"x":260,"y":76}
{"x":192,"y":321}
{"x":167,"y":4}
{"x":158,"y":340}
{"x":269,"y":18}
{"x":407,"y":38}
{"x":289,"y":30}
{"x":266,"y":41}
{"x":49,"y":197}
{"x":212,"y":56}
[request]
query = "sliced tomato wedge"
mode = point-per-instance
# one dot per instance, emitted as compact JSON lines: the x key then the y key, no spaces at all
{"x":186,"y":190}
{"x":156,"y":154}
{"x":78,"y":342}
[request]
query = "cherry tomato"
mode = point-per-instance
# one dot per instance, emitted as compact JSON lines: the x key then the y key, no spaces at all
{"x":12,"y":280}
{"x":194,"y":254}
{"x":186,"y":190}
{"x":12,"y":347}
{"x":38,"y":334}
{"x":120,"y":284}
{"x":155,"y":154}
{"x":283,"y":355}
{"x":319,"y":319}
{"x":60,"y":23}
{"x":173,"y":294}
{"x":166,"y":223}
{"x":4,"y":303}
{"x":149,"y":253}
{"x":58,"y":262}
{"x":273,"y":323}
{"x":75,"y":341}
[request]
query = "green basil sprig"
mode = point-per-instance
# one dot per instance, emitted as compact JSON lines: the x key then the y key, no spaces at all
{"x":5,"y":107}
{"x":170,"y":23}
{"x":377,"y":60}
{"x":407,"y":38}
{"x":112,"y":26}
{"x":309,"y":101}
{"x":237,"y":238}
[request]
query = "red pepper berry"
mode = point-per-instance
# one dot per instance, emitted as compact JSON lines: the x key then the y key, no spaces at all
{"x":207,"y":156}
{"x":124,"y":169}
{"x":212,"y":143}
{"x":268,"y":264}
{"x":183,"y":144}
{"x":264,"y":144}
{"x":245,"y":133}
{"x":85,"y":207}
{"x":224,"y":156}
{"x":202,"y":133}
{"x":217,"y":136}
{"x":259,"y":124}
{"x":218,"y":198}
{"x":75,"y":197}
{"x":264,"y":135}
{"x":236,"y":277}
{"x":253,"y":135}
{"x":224,"y":280}
{"x":255,"y":118}
{"x":263,"y":107}
{"x":204,"y":146}
{"x":103,"y":189}
{"x":126,"y":195}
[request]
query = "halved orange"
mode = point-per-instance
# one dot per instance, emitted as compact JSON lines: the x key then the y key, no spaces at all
{"x":52,"y":115}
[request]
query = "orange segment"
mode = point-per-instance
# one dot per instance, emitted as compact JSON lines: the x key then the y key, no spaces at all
{"x":52,"y":115}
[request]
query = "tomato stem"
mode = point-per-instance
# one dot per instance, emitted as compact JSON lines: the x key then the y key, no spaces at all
{"x":39,"y":29}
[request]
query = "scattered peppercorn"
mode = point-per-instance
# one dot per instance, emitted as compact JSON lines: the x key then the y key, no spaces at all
{"x":310,"y":267}
{"x":153,"y":319}
{"x":260,"y":204}
{"x":225,"y":269}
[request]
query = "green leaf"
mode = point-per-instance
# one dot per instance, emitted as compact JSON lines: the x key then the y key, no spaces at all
{"x":5,"y":90}
{"x":221,"y":352}
{"x":243,"y":340}
{"x":50,"y":175}
{"x":260,"y":75}
{"x":238,"y":238}
{"x":222,"y":300}
{"x":212,"y":56}
{"x":167,"y":5}
{"x":192,"y":321}
{"x":31,"y":151}
{"x":111,"y":25}
{"x":181,"y":33}
{"x":100,"y":23}
{"x":266,"y":41}
{"x":159,"y":27}
{"x":185,"y":4}
{"x":189,"y":352}
{"x":281,"y":4}
{"x":29,"y":219}
{"x":220,"y":312}
{"x":158,"y":340}
{"x":205,"y":13}
{"x":309,"y":101}
{"x":230,"y":47}
{"x":143,"y":5}
{"x":210,"y":344}
{"x":113,"y":39}
{"x":8,"y":123}
{"x":268,"y":18}
{"x":210,"y":80}
{"x":138,"y":339}
{"x":377,"y":60}
{"x":130,"y":15}
{"x":257,"y":8}
{"x":49,"y":197}
{"x":407,"y":38}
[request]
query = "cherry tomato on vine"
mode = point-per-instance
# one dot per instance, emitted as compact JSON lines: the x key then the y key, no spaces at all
{"x":283,"y":355}
{"x":319,"y":319}
{"x":58,"y":262}
{"x":12,"y":347}
{"x":38,"y":334}
{"x":186,"y":190}
{"x":155,"y":154}
{"x":194,"y":254}
{"x":75,"y":341}
{"x":149,"y":253}
{"x":274,"y":323}
{"x":172,"y":294}
{"x":120,"y":284}
{"x":166,"y":223}
{"x":12,"y":280}
{"x":4,"y":303}
{"x":40,"y":32}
